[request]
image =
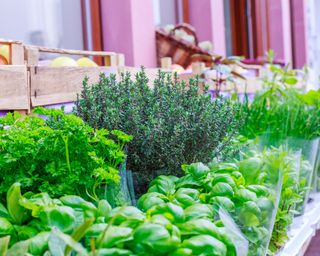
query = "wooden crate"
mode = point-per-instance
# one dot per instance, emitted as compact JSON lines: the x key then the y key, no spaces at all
{"x":55,"y":85}
{"x":14,"y":89}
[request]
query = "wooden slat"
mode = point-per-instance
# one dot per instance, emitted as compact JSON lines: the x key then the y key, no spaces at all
{"x":73,"y":52}
{"x":59,"y":85}
{"x":14,"y":87}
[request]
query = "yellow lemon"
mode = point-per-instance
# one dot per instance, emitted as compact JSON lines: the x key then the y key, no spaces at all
{"x":63,"y":62}
{"x":177,"y":68}
{"x":4,"y":52}
{"x":86,"y":62}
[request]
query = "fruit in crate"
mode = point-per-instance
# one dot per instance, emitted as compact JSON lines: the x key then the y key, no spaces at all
{"x":177,"y":68}
{"x":64,"y":62}
{"x":86,"y":62}
{"x":4,"y":54}
{"x":3,"y":60}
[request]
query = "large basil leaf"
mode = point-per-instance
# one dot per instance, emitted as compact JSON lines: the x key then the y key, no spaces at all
{"x":172,"y":212}
{"x":249,"y":214}
{"x":127,"y":216}
{"x":244,"y":195}
{"x":3,"y":211}
{"x":19,"y":248}
{"x":199,"y":211}
{"x":17,"y":213}
{"x":4,"y":245}
{"x":224,"y":178}
{"x":163,"y":184}
{"x":39,"y":243}
{"x":115,"y":236}
{"x":62,"y":217}
{"x":150,"y":199}
{"x":205,"y":245}
{"x":222,"y":189}
{"x":206,"y":227}
{"x":187,"y":196}
{"x":76,"y":202}
{"x":6,"y":227}
{"x":112,"y":252}
{"x":104,"y":208}
{"x":197,"y":170}
{"x":59,"y":241}
{"x":155,"y":239}
{"x":224,"y":202}
{"x":250,"y":169}
{"x":188,"y":181}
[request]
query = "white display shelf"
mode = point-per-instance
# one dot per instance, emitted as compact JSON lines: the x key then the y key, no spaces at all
{"x":303,"y":229}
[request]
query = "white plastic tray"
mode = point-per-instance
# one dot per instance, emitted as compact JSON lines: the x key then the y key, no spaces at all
{"x":303,"y":229}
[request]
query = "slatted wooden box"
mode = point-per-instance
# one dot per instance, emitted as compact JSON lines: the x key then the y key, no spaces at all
{"x":14,"y":77}
{"x":56,"y":85}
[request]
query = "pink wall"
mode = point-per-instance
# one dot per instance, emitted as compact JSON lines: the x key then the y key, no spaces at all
{"x":298,"y":36}
{"x":276,"y":28}
{"x":207,"y":17}
{"x":128,"y":28}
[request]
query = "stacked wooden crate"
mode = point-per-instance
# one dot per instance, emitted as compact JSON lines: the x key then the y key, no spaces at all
{"x":14,"y":79}
{"x":26,"y":83}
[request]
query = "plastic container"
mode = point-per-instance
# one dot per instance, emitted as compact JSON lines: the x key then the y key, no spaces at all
{"x":256,"y":200}
{"x":309,"y":149}
{"x":317,"y":172}
{"x":118,"y":194}
{"x":267,"y":145}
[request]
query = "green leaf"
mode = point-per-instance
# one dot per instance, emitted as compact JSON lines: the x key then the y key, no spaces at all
{"x":206,"y":227}
{"x":78,"y":202}
{"x":112,"y":252}
{"x":172,"y":212}
{"x":25,"y":232}
{"x":250,"y":169}
{"x":163,"y":184}
{"x":150,"y":199}
{"x":224,"y":202}
{"x":155,"y":239}
{"x":62,"y":217}
{"x":126,"y":215}
{"x":187,"y":196}
{"x":19,"y":248}
{"x":58,"y":242}
{"x":182,"y":252}
{"x":6,"y":227}
{"x":115,"y":236}
{"x":244,"y":195}
{"x":197,"y":170}
{"x":79,"y":233}
{"x":199,"y":211}
{"x":3,"y":211}
{"x":39,"y":243}
{"x":188,"y":181}
{"x":4,"y":245}
{"x":291,"y":80}
{"x":249,"y":214}
{"x":222,"y":189}
{"x":205,"y":245}
{"x":260,"y":190}
{"x":104,"y":208}
{"x":224,"y":178}
{"x":17,"y":213}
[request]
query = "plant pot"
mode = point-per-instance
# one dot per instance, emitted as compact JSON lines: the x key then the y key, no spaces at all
{"x":118,"y":194}
{"x":309,"y":149}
